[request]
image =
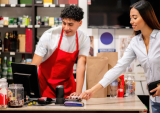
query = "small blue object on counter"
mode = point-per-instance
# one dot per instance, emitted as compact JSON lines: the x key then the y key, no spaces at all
{"x":72,"y":103}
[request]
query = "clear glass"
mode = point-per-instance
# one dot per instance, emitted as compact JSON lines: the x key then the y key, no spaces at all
{"x":131,"y":86}
{"x":113,"y":89}
{"x":3,"y":93}
{"x":15,"y":95}
{"x":126,"y":86}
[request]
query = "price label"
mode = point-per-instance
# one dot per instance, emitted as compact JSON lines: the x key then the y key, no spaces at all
{"x":30,"y":26}
{"x":3,"y":5}
{"x":22,"y":26}
{"x":52,"y":5}
{"x":13,"y":5}
{"x":62,"y":5}
{"x":45,"y":5}
{"x":1,"y":25}
{"x":10,"y":26}
{"x":53,"y":25}
{"x":73,"y":4}
{"x":12,"y":53}
{"x":22,"y":5}
{"x":37,"y":26}
{"x":127,"y":27}
{"x":15,"y":26}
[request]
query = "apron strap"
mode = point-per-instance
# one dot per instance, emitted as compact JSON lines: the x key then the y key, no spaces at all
{"x":61,"y":40}
{"x":77,"y":40}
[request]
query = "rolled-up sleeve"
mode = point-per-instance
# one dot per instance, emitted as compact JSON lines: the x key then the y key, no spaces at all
{"x":128,"y":56}
{"x":42,"y":46}
{"x":84,"y":50}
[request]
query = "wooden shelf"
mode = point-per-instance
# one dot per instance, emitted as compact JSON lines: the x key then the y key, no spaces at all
{"x":12,"y":26}
{"x":51,"y":6}
{"x":16,"y":5}
{"x":14,"y":53}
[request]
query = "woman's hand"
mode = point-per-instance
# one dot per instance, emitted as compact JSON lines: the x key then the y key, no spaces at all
{"x":157,"y":89}
{"x":86,"y":94}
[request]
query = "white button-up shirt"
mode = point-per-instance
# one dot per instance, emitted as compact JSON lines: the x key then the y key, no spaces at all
{"x":150,"y":62}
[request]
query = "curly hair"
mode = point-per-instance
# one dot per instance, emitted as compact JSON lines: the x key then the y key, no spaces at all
{"x":72,"y":12}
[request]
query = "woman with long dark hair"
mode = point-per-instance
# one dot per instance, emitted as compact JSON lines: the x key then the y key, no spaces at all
{"x":145,"y":45}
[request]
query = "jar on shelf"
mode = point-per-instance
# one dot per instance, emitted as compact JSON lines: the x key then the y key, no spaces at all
{"x":15,"y":95}
{"x":3,"y":93}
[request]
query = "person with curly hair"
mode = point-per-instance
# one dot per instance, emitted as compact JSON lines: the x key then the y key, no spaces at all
{"x":57,"y":51}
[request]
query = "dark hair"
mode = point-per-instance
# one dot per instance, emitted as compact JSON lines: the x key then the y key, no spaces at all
{"x":72,"y":12}
{"x":147,"y":13}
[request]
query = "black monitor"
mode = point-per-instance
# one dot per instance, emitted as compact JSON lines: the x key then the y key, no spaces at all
{"x":26,"y":74}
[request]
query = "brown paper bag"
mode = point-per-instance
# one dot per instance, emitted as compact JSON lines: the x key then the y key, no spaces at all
{"x":112,"y":61}
{"x":96,"y":68}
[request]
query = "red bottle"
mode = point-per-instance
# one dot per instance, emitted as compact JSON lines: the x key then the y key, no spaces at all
{"x":29,"y":41}
{"x":120,"y":86}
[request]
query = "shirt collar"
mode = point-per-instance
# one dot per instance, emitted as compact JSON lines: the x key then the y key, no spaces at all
{"x":153,"y":34}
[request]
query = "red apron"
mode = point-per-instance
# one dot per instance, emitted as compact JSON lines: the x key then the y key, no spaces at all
{"x":58,"y":70}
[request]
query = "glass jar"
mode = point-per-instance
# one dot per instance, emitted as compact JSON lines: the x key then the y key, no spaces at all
{"x":113,"y":89}
{"x":15,"y":95}
{"x":3,"y":93}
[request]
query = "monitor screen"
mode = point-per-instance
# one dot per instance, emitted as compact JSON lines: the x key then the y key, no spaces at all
{"x":114,"y":13}
{"x":27,"y":75}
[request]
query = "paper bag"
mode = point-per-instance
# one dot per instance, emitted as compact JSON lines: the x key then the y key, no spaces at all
{"x":96,"y":68}
{"x":112,"y":61}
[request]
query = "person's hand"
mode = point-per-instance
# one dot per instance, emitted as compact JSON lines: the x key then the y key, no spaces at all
{"x":157,"y":89}
{"x":86,"y":94}
{"x":73,"y":95}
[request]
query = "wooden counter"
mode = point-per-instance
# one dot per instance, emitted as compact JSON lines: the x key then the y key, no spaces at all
{"x":94,"y":105}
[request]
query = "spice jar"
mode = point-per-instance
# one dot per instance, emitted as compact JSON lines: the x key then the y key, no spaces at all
{"x":3,"y":93}
{"x":15,"y":95}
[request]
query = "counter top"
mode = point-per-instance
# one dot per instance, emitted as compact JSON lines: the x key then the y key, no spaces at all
{"x":93,"y":104}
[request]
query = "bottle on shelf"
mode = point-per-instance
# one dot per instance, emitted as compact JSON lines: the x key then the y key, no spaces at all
{"x":23,"y":61}
{"x":11,"y":42}
{"x":6,"y":42}
{"x":4,"y":68}
{"x":0,"y":43}
{"x":0,"y":69}
{"x":9,"y":71}
{"x":17,"y":39}
{"x":14,"y":42}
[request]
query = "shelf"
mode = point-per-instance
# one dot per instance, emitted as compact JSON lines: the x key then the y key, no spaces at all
{"x":16,"y":26}
{"x":14,"y":53}
{"x":43,"y":26}
{"x":52,"y":5}
{"x":14,"y":5}
{"x":36,"y":5}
